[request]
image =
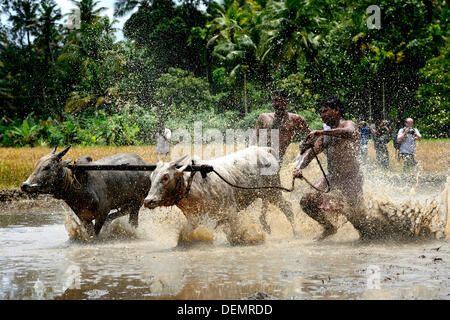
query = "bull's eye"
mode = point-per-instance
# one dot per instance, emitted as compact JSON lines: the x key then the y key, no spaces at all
{"x":165,"y":178}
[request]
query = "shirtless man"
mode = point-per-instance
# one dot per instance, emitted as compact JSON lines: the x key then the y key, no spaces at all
{"x":341,"y":144}
{"x":287,"y":123}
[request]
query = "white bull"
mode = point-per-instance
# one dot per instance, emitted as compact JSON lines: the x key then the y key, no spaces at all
{"x":251,"y":167}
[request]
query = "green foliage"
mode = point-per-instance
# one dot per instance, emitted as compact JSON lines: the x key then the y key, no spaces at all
{"x":433,"y":114}
{"x":179,"y":94}
{"x":24,"y":133}
{"x":179,"y":64}
{"x":299,"y":93}
{"x":117,"y":129}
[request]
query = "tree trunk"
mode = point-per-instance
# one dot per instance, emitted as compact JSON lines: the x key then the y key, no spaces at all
{"x":245,"y":94}
{"x":29,"y":44}
{"x":384,"y":100}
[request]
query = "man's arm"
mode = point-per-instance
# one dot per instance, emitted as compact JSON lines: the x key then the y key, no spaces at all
{"x":301,"y":124}
{"x":347,"y":131}
{"x":260,"y":124}
{"x":167,"y":135}
{"x":401,"y":135}
{"x":308,"y":156}
{"x":417,"y":134}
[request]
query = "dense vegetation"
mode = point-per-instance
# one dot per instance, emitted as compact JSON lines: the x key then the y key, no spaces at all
{"x":68,"y":80}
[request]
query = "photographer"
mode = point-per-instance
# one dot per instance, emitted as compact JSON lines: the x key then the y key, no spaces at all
{"x":364,"y":134}
{"x":406,"y":137}
{"x":381,"y":137}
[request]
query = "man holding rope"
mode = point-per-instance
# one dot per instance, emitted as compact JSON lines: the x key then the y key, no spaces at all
{"x":341,"y":145}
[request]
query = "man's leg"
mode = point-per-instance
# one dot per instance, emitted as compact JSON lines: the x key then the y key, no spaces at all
{"x":318,"y":207}
{"x":385,"y":158}
{"x":408,"y":162}
{"x":364,"y":151}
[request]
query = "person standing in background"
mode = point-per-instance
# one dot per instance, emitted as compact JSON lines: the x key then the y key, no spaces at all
{"x":407,"y":137}
{"x":287,"y":123}
{"x":381,"y":137}
{"x":364,"y":134}
{"x":163,"y":136}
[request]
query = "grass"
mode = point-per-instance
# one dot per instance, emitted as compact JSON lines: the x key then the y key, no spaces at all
{"x":16,"y":164}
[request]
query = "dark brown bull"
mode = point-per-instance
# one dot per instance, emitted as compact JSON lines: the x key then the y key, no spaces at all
{"x":92,"y":194}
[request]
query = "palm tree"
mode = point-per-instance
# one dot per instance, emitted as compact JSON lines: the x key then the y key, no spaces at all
{"x":123,"y":7}
{"x":47,"y":21}
{"x":233,"y":46}
{"x":99,"y":60}
{"x":24,"y":20}
{"x":87,"y":10}
{"x":289,"y":30}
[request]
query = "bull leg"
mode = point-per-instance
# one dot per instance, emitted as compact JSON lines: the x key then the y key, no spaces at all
{"x":263,"y":217}
{"x":113,"y":216}
{"x":100,"y":222}
{"x":134,"y":215}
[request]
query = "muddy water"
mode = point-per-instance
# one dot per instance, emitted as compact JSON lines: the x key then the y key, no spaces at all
{"x":38,"y":261}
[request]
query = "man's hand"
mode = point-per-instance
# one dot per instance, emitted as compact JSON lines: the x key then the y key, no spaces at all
{"x":315,"y":133}
{"x":297,"y":173}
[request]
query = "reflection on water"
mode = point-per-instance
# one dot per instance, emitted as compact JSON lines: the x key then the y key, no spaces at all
{"x":39,"y":262}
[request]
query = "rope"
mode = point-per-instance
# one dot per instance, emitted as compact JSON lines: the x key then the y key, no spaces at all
{"x":255,"y":188}
{"x":280,"y":187}
{"x":188,"y":188}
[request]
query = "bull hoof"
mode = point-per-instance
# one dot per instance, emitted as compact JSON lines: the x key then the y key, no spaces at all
{"x":328,"y":231}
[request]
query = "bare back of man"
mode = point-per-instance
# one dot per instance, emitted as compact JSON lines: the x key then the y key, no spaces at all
{"x":287,"y":124}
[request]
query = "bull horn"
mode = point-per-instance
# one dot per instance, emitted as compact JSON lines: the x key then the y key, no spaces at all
{"x":180,"y":171}
{"x":54,"y":150}
{"x":176,"y":162}
{"x":62,"y":153}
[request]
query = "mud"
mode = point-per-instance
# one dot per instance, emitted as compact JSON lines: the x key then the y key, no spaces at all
{"x":164,"y":259}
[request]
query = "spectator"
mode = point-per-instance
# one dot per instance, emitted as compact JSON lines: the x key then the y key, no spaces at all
{"x":407,"y":137}
{"x":163,"y":136}
{"x":364,"y":133}
{"x":381,"y":137}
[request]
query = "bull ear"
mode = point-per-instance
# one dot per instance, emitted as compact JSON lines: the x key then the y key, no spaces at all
{"x":66,"y":163}
{"x":62,"y":153}
{"x":177,"y":162}
{"x":179,"y":172}
{"x":53,"y":151}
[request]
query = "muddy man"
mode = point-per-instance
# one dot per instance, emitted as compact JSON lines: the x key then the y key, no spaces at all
{"x":288,"y":123}
{"x":341,"y":145}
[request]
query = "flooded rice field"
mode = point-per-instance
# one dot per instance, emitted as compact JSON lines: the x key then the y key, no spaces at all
{"x":38,"y":261}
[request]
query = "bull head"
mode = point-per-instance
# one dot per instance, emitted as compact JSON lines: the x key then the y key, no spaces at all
{"x":166,"y":183}
{"x":48,"y":173}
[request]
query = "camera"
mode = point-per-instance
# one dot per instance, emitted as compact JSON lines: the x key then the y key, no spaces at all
{"x":411,"y":131}
{"x":383,"y":130}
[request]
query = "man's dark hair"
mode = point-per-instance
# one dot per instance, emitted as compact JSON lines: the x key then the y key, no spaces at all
{"x":332,"y":103}
{"x":280,"y":93}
